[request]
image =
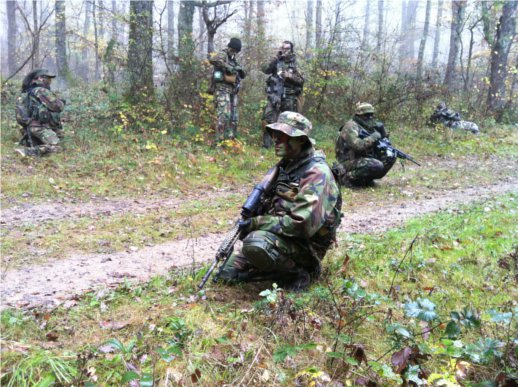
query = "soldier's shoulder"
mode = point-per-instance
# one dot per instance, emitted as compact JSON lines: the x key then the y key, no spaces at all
{"x":350,"y":125}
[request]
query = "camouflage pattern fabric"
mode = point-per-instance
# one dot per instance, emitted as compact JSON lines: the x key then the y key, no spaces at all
{"x":296,"y":225}
{"x":292,"y":99}
{"x":361,"y":162}
{"x":45,"y":118}
{"x":225,"y":93}
{"x":451,"y":119}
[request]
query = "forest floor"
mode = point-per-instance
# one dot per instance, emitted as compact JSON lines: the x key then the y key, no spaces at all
{"x":55,"y":281}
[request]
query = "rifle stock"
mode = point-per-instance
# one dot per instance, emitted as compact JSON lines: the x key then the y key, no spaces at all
{"x":247,"y":211}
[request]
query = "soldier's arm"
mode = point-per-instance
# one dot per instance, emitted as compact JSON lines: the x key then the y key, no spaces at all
{"x":296,"y":77}
{"x":219,"y":60}
{"x":351,"y":136}
{"x":270,"y":67}
{"x":308,"y":210}
{"x":50,"y":100}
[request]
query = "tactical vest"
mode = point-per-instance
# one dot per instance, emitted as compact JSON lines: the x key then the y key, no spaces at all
{"x":29,"y":108}
{"x":290,"y":66}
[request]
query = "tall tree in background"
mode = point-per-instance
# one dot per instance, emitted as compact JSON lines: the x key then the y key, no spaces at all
{"x":422,"y":44}
{"x":87,"y":4}
{"x":437,"y":36}
{"x":170,"y":34}
{"x":185,"y":38}
{"x":249,"y":12}
{"x":505,"y":33}
{"x":221,"y":13}
{"x":12,"y":34}
{"x":61,"y":43}
{"x":309,"y":26}
{"x":36,"y":32}
{"x":458,"y":9}
{"x":140,"y":50}
{"x":408,"y":31}
{"x":260,"y":20}
{"x":366,"y":25}
{"x":381,"y":10}
{"x":318,"y":24}
{"x":95,"y":18}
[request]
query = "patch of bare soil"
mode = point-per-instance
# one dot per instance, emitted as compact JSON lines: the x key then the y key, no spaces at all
{"x":59,"y":282}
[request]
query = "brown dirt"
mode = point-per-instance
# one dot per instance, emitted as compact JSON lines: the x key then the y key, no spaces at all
{"x":51,"y":284}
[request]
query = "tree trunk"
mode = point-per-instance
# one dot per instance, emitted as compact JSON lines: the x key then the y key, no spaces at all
{"x":12,"y":34}
{"x":260,"y":21}
{"x":36,"y":30}
{"x":86,"y":28}
{"x":309,"y":26}
{"x":381,"y":9}
{"x":100,"y":16}
{"x":115,"y":32}
{"x":458,"y":11}
{"x":96,"y":42}
{"x":422,"y":44}
{"x":61,"y":43}
{"x":366,"y":26}
{"x":170,"y":33}
{"x":249,"y":12}
{"x":140,"y":50}
{"x":203,"y":29}
{"x":185,"y":39}
{"x":318,"y":24}
{"x":488,"y":24}
{"x":505,"y":32}
{"x":437,"y":37}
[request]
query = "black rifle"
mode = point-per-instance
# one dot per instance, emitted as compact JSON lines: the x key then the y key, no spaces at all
{"x":248,"y":210}
{"x":275,"y":90}
{"x":385,"y":145}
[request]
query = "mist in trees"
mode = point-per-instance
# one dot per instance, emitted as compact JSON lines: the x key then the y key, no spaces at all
{"x":390,"y":53}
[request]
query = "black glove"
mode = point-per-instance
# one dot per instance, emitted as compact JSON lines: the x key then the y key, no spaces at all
{"x":244,"y":227}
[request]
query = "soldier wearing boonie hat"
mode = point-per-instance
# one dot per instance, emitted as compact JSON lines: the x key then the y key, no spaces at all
{"x":289,"y":238}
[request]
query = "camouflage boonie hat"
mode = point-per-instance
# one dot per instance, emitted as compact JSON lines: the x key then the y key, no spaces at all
{"x":35,"y":74}
{"x":293,"y":124}
{"x":364,"y":108}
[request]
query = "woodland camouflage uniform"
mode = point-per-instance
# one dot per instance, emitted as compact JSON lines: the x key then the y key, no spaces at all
{"x":38,"y":110}
{"x":360,"y":160}
{"x":298,"y":221}
{"x":226,"y":79}
{"x":450,"y":118}
{"x":285,"y":66}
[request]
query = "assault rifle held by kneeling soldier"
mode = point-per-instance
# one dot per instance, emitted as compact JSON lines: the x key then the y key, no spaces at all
{"x":385,"y":145}
{"x":248,"y":210}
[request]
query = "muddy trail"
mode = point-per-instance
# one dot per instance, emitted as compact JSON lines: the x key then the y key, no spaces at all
{"x":62,"y":281}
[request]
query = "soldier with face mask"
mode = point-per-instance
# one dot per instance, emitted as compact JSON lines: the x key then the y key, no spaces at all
{"x":298,"y":219}
{"x":38,"y":111}
{"x":226,"y":80}
{"x":360,"y":160}
{"x":284,"y":87}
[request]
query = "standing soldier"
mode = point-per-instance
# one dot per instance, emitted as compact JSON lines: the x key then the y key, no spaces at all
{"x":298,"y":219}
{"x":38,"y":111}
{"x":360,"y":159}
{"x":226,"y":80}
{"x":283,"y":87}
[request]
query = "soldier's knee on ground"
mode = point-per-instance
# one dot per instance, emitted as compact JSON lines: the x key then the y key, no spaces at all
{"x":263,"y":253}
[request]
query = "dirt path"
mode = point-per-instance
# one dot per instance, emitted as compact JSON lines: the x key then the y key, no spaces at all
{"x":60,"y":281}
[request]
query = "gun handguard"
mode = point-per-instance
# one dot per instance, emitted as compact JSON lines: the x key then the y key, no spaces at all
{"x":384,"y":143}
{"x":247,"y":211}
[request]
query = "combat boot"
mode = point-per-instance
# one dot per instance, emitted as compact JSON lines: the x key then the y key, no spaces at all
{"x":297,"y":280}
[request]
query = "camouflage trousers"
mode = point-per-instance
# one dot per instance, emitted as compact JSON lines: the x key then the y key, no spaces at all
{"x":226,"y":110}
{"x":464,"y":125}
{"x":364,"y":170}
{"x":265,"y":254}
{"x":44,"y":139}
{"x":290,"y":103}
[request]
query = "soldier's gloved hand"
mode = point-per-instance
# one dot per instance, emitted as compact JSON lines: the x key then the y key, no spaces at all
{"x":286,"y":75}
{"x":374,"y":136}
{"x":244,"y":226}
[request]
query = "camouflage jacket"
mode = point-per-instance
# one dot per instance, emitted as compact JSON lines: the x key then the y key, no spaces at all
{"x":287,"y":68}
{"x":445,"y":116}
{"x":304,"y":203}
{"x":227,"y":64}
{"x":43,"y":107}
{"x":349,"y":146}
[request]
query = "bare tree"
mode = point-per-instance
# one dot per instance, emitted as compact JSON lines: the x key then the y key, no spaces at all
{"x":96,"y":42}
{"x":185,"y":29}
{"x":12,"y":34}
{"x":437,"y":36}
{"x":61,"y":44}
{"x":36,"y":29}
{"x":458,"y":11}
{"x":505,"y":33}
{"x":381,"y":10}
{"x":87,"y":4}
{"x":170,"y":33}
{"x":260,"y":20}
{"x":318,"y":24}
{"x":366,"y":22}
{"x":309,"y":26}
{"x":422,"y":44}
{"x":408,"y":30}
{"x":249,"y":12}
{"x":220,"y":14}
{"x":140,"y":50}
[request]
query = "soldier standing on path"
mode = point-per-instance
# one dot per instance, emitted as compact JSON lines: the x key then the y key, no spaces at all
{"x":284,"y":87}
{"x":297,"y":222}
{"x":360,"y":161}
{"x":226,"y":79}
{"x":38,"y":111}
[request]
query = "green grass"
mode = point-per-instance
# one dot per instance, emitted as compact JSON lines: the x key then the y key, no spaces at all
{"x":349,"y":324}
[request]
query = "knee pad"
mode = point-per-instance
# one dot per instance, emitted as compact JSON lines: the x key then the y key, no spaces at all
{"x":261,"y":251}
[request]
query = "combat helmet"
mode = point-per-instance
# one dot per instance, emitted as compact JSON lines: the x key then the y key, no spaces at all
{"x":27,"y":81}
{"x":293,"y":124}
{"x":364,"y":108}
